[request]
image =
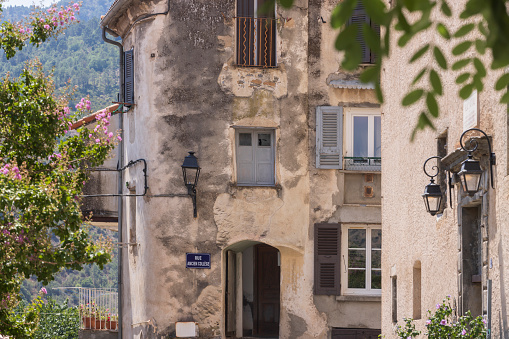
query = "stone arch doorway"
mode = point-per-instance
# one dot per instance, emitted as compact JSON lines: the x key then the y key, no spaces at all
{"x":252,"y":290}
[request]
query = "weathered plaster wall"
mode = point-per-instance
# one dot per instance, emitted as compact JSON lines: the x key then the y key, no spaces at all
{"x":409,"y":233}
{"x":190,"y":96}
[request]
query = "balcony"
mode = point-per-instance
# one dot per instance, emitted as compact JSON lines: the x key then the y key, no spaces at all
{"x":364,"y":164}
{"x":98,"y":309}
{"x":256,"y":42}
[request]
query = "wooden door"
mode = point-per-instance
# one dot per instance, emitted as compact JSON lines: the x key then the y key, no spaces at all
{"x":267,"y":291}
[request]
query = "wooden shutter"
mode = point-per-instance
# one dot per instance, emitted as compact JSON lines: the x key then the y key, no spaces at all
{"x":376,"y":28}
{"x":329,"y":137}
{"x":245,"y":158}
{"x":327,"y":255}
{"x":129,"y":77}
{"x":359,"y":17}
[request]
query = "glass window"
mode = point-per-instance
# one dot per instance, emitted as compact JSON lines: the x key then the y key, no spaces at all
{"x":363,"y":252}
{"x":360,"y":136}
{"x":255,"y":157}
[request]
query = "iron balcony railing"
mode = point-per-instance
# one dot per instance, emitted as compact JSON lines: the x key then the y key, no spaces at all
{"x":363,"y":164}
{"x":256,"y":42}
{"x":98,"y":308}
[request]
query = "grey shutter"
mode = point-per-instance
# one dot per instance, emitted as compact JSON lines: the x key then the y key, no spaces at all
{"x":264,"y":159}
{"x":327,"y":255}
{"x":329,"y":137}
{"x":129,"y":77}
{"x":375,"y":28}
{"x":359,"y":17}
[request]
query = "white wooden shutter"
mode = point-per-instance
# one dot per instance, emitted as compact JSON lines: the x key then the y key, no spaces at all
{"x":329,"y":137}
{"x":245,"y":158}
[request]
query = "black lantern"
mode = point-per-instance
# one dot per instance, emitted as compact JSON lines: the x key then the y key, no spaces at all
{"x":432,"y":193}
{"x":471,"y":172}
{"x":191,"y":172}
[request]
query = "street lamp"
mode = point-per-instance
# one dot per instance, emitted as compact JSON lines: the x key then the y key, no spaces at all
{"x":471,"y":172}
{"x":432,"y":193}
{"x":191,"y":172}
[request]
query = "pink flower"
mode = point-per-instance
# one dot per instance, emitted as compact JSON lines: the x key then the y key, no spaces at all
{"x":443,"y":322}
{"x":44,"y":291}
{"x":97,"y":140}
{"x":90,"y":135}
{"x":110,"y":135}
{"x":463,"y":332}
{"x":119,"y":138}
{"x":47,"y":27}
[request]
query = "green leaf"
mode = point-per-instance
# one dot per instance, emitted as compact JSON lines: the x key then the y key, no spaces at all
{"x":422,"y":123}
{"x":462,"y":78}
{"x":432,"y":104}
{"x":412,"y":97}
{"x":466,"y":91}
{"x":505,"y":98}
{"x":477,"y":82}
{"x":372,"y":39}
{"x":404,"y":39}
{"x":462,"y":47}
{"x":480,"y":46}
{"x":439,"y":57}
{"x":482,"y":28}
{"x":464,"y":30}
{"x":460,"y":64}
{"x":370,"y":74}
{"x":436,"y":83}
{"x":502,"y":82}
{"x":479,"y":66}
{"x":286,"y":3}
{"x":378,"y":92}
{"x":419,"y":76}
{"x":442,"y":30}
{"x":445,"y":9}
{"x":419,"y":53}
{"x":376,"y":11}
{"x":342,"y":13}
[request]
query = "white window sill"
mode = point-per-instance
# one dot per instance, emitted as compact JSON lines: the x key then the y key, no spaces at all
{"x":369,"y":298}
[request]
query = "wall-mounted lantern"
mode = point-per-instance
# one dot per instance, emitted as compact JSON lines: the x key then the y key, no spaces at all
{"x":191,"y":172}
{"x":432,"y":193}
{"x":471,"y":172}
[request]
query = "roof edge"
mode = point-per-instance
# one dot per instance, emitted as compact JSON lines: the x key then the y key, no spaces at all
{"x":110,"y":14}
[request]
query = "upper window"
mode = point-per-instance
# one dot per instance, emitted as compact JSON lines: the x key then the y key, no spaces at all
{"x":348,"y":259}
{"x":362,"y":253}
{"x":363,"y":139}
{"x":255,"y":157}
{"x":256,"y":34}
{"x":359,"y":17}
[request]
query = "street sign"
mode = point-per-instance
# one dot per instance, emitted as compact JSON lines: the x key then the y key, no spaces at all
{"x":197,"y":260}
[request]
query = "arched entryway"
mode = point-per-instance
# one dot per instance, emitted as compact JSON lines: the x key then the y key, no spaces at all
{"x":252,"y":290}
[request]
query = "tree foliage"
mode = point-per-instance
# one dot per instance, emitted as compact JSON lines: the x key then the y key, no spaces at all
{"x":43,"y":167}
{"x":484,"y":32}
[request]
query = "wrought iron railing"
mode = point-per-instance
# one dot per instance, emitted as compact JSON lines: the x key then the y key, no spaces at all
{"x":98,"y":308}
{"x":256,"y":42}
{"x":363,"y":164}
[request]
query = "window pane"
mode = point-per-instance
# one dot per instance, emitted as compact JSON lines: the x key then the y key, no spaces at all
{"x":245,"y":139}
{"x":378,"y":137}
{"x":376,"y":279}
{"x":376,"y":259}
{"x":376,"y":238}
{"x":356,"y":279}
{"x":356,"y":258}
{"x":263,"y":139}
{"x":360,"y":137}
{"x":356,"y":238}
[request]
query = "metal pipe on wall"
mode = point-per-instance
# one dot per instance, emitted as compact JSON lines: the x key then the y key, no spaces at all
{"x":120,"y":174}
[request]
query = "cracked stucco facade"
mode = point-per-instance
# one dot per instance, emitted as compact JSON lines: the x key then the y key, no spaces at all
{"x":189,"y":95}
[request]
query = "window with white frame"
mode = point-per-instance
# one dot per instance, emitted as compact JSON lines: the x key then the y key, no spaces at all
{"x":362,"y":256}
{"x":363,"y":138}
{"x":255,"y":154}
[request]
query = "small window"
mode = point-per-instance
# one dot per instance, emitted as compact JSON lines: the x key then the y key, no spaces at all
{"x":255,"y":157}
{"x":362,"y":255}
{"x":360,"y":18}
{"x":329,"y":137}
{"x":256,"y":34}
{"x":364,"y":139}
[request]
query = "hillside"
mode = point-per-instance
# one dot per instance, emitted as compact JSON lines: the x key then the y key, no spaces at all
{"x":83,"y":58}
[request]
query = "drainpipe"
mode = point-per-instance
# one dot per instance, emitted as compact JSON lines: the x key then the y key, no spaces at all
{"x":120,"y":174}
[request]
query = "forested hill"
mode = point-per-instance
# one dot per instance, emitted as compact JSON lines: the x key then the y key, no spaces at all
{"x":79,"y":55}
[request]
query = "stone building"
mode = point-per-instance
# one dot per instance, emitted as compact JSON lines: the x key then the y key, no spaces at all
{"x":286,"y":241}
{"x":462,"y":251}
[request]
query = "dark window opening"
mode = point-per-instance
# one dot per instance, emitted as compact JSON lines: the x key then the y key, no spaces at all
{"x":359,"y":18}
{"x":256,"y":34}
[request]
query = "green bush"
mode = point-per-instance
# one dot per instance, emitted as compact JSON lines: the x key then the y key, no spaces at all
{"x":58,"y":321}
